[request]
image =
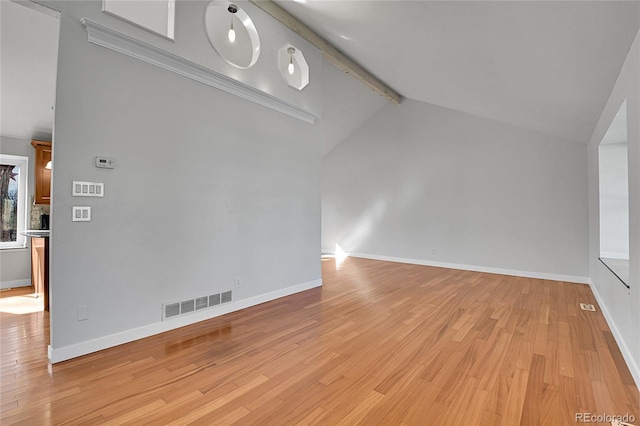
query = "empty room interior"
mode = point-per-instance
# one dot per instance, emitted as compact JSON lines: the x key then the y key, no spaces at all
{"x":284,"y":212}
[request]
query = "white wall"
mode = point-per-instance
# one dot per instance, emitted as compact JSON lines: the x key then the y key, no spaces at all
{"x":614,"y":201}
{"x":15,"y":264}
{"x":482,"y":194}
{"x":619,"y":304}
{"x":207,"y":187}
{"x":346,"y":104}
{"x":191,"y":43}
{"x":156,"y":16}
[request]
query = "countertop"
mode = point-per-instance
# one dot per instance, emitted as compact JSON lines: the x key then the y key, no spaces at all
{"x":37,"y":233}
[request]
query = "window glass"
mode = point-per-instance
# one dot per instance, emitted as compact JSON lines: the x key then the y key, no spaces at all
{"x":13,"y":203}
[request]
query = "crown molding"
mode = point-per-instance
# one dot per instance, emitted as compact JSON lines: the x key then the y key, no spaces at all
{"x":111,"y":39}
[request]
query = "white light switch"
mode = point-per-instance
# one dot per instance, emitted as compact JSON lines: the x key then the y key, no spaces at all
{"x":81,"y":214}
{"x":87,"y":189}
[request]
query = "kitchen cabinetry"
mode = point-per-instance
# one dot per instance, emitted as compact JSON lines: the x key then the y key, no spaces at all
{"x":42,"y":174}
{"x":40,"y":268}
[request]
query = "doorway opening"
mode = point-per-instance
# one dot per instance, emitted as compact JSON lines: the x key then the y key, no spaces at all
{"x":30,"y":36}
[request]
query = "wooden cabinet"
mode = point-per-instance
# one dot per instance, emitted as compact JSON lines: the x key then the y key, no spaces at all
{"x":43,"y":175}
{"x":40,"y":268}
{"x":37,"y":265}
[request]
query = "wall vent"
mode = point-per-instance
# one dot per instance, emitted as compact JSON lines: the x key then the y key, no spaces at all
{"x":187,"y":306}
{"x":225,"y":297}
{"x":214,"y":299}
{"x":175,"y":309}
{"x":202,"y":302}
{"x":171,"y":310}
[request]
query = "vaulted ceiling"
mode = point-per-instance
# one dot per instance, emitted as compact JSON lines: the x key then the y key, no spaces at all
{"x":543,"y":65}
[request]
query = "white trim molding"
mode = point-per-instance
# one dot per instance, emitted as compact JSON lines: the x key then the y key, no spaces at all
{"x":90,"y":346}
{"x":624,"y":349}
{"x":476,"y":268}
{"x":111,"y":39}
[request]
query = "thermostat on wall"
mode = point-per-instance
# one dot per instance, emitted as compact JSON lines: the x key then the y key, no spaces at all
{"x":105,"y":162}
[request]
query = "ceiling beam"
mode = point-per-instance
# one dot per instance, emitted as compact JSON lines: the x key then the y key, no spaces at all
{"x":331,"y":53}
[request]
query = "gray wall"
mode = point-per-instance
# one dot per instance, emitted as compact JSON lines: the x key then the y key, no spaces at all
{"x":427,"y":184}
{"x":346,"y":104}
{"x":15,"y":264}
{"x":619,"y":304}
{"x":208,"y":187}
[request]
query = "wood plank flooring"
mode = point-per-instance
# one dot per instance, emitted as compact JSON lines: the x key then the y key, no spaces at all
{"x":379,"y":343}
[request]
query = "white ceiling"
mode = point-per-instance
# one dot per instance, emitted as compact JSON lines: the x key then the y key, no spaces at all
{"x":548,"y":66}
{"x":29,"y":49}
{"x":544,"y":65}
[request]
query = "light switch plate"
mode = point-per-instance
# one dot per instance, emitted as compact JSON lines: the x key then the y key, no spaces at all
{"x":87,"y":189}
{"x":81,"y":214}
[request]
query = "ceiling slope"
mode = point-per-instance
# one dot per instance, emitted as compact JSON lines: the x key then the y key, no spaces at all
{"x":546,"y":66}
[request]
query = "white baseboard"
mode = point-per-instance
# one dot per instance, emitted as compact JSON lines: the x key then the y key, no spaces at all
{"x":476,"y":268}
{"x":16,"y":283}
{"x":626,"y":353}
{"x":84,"y":348}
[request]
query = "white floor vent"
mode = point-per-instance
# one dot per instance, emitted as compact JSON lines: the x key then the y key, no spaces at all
{"x":587,"y":307}
{"x":175,"y":309}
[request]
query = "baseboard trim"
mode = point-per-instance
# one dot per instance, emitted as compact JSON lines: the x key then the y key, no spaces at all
{"x":626,"y":353}
{"x":79,"y":349}
{"x":476,"y":268}
{"x":16,"y":283}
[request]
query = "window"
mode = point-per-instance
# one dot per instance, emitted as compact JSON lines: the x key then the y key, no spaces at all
{"x":13,"y":200}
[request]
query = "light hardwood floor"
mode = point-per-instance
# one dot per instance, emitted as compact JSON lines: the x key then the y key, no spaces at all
{"x":379,"y":343}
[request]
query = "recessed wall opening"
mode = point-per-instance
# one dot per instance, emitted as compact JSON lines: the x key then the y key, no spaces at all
{"x":613,"y":169}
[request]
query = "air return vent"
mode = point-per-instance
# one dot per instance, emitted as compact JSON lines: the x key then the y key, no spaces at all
{"x":187,"y":306}
{"x":175,"y":309}
{"x":214,"y":299}
{"x":202,"y":302}
{"x":171,"y":310}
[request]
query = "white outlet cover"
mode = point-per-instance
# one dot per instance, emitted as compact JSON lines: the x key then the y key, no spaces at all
{"x":83,"y":313}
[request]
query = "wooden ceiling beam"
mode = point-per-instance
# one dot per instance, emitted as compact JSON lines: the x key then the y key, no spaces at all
{"x":330,"y":52}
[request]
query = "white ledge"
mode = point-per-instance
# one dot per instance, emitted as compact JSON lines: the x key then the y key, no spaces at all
{"x":122,"y":43}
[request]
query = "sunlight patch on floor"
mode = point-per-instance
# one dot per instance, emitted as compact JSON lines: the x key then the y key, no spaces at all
{"x":340,"y":256}
{"x":19,"y":305}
